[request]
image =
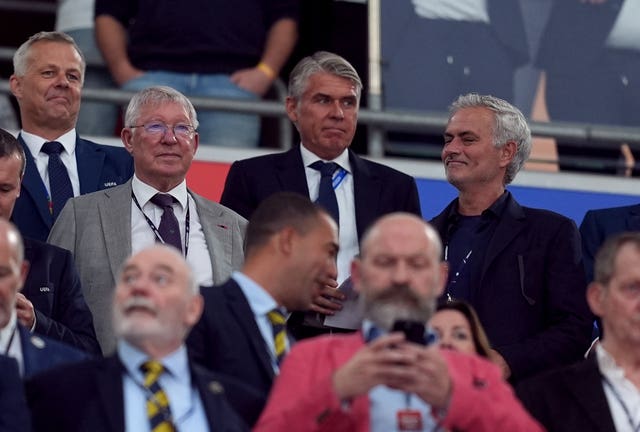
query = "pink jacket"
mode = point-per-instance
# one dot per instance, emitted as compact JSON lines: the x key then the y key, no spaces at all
{"x":303,"y":399}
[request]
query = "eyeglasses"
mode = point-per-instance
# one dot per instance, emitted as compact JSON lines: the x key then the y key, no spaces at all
{"x":180,"y":130}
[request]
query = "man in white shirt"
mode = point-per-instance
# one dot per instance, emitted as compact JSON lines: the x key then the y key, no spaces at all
{"x":103,"y":228}
{"x":602,"y":392}
{"x":47,"y":82}
{"x":323,"y":103}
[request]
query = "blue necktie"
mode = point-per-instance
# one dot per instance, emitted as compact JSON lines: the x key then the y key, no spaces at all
{"x":59,"y":182}
{"x":326,"y":193}
{"x":169,"y":229}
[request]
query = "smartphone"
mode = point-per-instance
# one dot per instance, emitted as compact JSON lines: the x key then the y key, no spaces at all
{"x":414,"y":331}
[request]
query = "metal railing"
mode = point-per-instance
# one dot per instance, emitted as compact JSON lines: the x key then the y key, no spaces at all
{"x":587,"y":135}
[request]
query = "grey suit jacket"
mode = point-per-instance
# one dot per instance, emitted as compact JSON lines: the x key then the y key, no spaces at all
{"x":96,"y":228}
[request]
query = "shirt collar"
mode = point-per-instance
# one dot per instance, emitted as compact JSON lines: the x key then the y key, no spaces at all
{"x":176,"y":363}
{"x":258,"y":298}
{"x":35,"y":142}
{"x":308,"y":158}
{"x":607,"y":365}
{"x":145,"y":192}
{"x":494,"y":210}
{"x":7,"y":331}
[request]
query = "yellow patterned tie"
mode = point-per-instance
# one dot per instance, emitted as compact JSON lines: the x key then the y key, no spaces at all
{"x":158,"y":410}
{"x":278,"y":321}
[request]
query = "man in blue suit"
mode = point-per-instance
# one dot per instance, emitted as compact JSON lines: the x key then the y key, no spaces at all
{"x":520,"y":267}
{"x":34,"y":354}
{"x":323,"y":102}
{"x":291,"y":250}
{"x":51,"y":302}
{"x":47,"y":82}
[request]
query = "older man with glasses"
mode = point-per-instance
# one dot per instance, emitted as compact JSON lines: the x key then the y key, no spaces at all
{"x":103,"y":228}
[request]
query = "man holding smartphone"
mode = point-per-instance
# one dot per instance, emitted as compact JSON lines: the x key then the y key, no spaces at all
{"x":377,"y":380}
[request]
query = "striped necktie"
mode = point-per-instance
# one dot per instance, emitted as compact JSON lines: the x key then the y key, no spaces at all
{"x":278,"y":324}
{"x":158,"y":410}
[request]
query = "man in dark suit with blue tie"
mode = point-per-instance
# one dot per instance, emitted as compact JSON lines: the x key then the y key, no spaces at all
{"x":323,"y":103}
{"x":150,"y":383}
{"x":51,"y":302}
{"x":291,"y":249}
{"x":47,"y":82}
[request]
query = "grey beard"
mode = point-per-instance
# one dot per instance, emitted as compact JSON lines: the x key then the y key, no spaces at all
{"x":397,"y":303}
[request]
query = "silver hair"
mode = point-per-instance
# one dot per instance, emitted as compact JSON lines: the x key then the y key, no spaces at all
{"x":21,"y":56}
{"x":509,"y":125}
{"x":322,"y":61}
{"x":154,"y":96}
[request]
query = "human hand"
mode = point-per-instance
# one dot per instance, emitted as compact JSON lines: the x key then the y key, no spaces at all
{"x":25,"y":311}
{"x":426,"y":374}
{"x":253,"y":80}
{"x":329,"y":300}
{"x":378,"y":362}
{"x":125,"y":72}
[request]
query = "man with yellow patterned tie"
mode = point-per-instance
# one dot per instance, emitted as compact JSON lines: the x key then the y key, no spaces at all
{"x":291,"y":249}
{"x":149,"y":384}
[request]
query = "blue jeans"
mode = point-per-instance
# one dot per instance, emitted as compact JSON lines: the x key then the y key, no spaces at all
{"x":216,"y":127}
{"x":96,"y":118}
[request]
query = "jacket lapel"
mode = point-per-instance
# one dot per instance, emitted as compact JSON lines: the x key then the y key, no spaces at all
{"x":244,"y":316}
{"x":90,"y":162}
{"x":111,"y":393}
{"x":366,"y":193}
{"x":115,"y":217}
{"x":33,"y":185}
{"x":585,"y":384}
{"x":510,"y":225}
{"x":290,"y":172}
{"x":218,"y":234}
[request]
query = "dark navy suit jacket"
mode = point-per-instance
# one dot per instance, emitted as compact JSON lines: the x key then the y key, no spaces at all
{"x":227,"y":338}
{"x":53,"y":286}
{"x":14,"y":415}
{"x":93,"y":399}
{"x":377,"y":189}
{"x":40,"y":353}
{"x":597,"y":225}
{"x":99,"y":167}
{"x":569,"y":399}
{"x":531,"y":292}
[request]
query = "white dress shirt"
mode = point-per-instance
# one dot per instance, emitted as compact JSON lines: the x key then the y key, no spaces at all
{"x":619,"y":391}
{"x":68,"y":157}
{"x":143,"y":236}
{"x":186,"y":406}
{"x":347,"y":231}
